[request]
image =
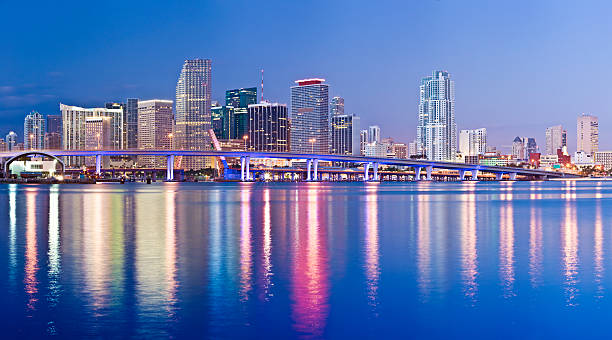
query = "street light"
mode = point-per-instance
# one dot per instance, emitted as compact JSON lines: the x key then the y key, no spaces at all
{"x":245,"y":137}
{"x":312,"y":143}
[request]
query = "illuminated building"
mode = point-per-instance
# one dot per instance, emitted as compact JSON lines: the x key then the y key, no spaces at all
{"x":74,"y":135}
{"x":131,"y":123}
{"x":97,"y":137}
{"x":268,"y":127}
{"x":518,"y":148}
{"x":376,"y":150}
{"x":11,"y":141}
{"x":400,"y":150}
{"x":603,"y":158}
{"x":193,"y":118}
{"x":473,"y":142}
{"x":53,"y":141}
{"x":222,"y":118}
{"x":34,"y":131}
{"x":155,"y":120}
{"x":436,"y":129}
{"x":556,"y":138}
{"x":345,"y":136}
{"x":363,"y":140}
{"x":374,"y":134}
{"x":336,"y":106}
{"x":310,"y":116}
{"x":588,"y":134}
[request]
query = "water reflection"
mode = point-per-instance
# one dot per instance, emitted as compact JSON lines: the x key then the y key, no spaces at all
{"x":469,"y":256}
{"x":31,"y":252}
{"x":310,"y":273}
{"x":506,"y":244}
{"x":423,"y":247}
{"x":266,"y":263}
{"x":599,"y":252}
{"x":535,"y":247}
{"x":171,"y":251}
{"x":246,"y":253}
{"x":371,"y":243}
{"x":95,"y":251}
{"x":569,"y":235}
{"x":12,"y":239}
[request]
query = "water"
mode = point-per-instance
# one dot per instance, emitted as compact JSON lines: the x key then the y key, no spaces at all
{"x":310,"y":260}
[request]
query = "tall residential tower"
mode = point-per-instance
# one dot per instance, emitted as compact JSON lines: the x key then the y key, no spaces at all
{"x":588,"y":134}
{"x":310,"y":116}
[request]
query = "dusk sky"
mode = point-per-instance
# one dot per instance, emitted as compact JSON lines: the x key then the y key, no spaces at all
{"x":518,"y":66}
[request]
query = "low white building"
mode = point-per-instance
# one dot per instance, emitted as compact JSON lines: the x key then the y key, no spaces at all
{"x":581,"y":158}
{"x":548,"y":161}
{"x":376,"y":150}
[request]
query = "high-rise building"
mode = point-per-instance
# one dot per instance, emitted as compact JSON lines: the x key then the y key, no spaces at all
{"x":310,"y":116}
{"x":97,"y":132}
{"x":556,"y":138}
{"x":155,"y":120}
{"x":337,"y":106}
{"x":53,"y":136}
{"x":518,"y":148}
{"x":473,"y":142}
{"x":34,"y":131}
{"x":74,"y":134}
{"x":11,"y":141}
{"x":54,"y":123}
{"x":363,"y":140}
{"x":131,"y":123}
{"x":223,"y":121}
{"x":400,"y":150}
{"x":192,"y":114}
{"x":268,"y":127}
{"x":531,"y":147}
{"x":374,"y":134}
{"x":345,"y":136}
{"x":436,"y":130}
{"x":241,"y":98}
{"x":588,"y":134}
{"x":413,"y":149}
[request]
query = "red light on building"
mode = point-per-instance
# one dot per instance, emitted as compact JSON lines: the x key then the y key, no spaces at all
{"x":311,"y":81}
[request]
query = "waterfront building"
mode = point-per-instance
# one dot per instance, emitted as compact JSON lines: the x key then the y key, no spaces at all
{"x":413,"y":148}
{"x":549,"y":161}
{"x":345,"y":135}
{"x":155,"y":120}
{"x":518,"y":149}
{"x":603,"y":158}
{"x":97,"y":133}
{"x":11,"y":140}
{"x":373,"y":134}
{"x":193,"y":118}
{"x":74,"y":134}
{"x":531,"y":147}
{"x":495,"y":159}
{"x":268,"y":127}
{"x":400,"y":150}
{"x":131,"y":123}
{"x":34,"y":131}
{"x":582,"y":159}
{"x":436,"y":129}
{"x":336,"y":106}
{"x":376,"y":150}
{"x":363,"y":140}
{"x":310,"y":116}
{"x":473,"y":142}
{"x":556,"y":138}
{"x":587,"y":134}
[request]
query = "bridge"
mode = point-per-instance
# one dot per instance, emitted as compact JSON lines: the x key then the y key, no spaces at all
{"x":312,"y":162}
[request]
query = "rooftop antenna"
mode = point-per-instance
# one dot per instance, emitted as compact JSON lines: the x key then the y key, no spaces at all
{"x":262,"y":89}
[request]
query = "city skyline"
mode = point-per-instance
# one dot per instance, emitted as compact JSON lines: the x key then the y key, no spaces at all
{"x":39,"y":86}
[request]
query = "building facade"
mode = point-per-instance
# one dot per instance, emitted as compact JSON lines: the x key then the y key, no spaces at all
{"x":131,"y":123}
{"x":11,"y":141}
{"x":74,"y":134}
{"x":373,"y":134}
{"x":345,"y":135}
{"x":34,"y":131}
{"x":363,"y":140}
{"x":155,"y":121}
{"x":603,"y":158}
{"x":310,"y":116}
{"x":436,"y":129}
{"x":473,"y":142}
{"x":376,"y":150}
{"x":400,"y":150}
{"x":587,"y":134}
{"x":97,"y":137}
{"x":193,"y":117}
{"x":268,"y":127}
{"x":556,"y":138}
{"x":336,"y":106}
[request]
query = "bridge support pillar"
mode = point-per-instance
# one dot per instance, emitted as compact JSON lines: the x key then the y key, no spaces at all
{"x":417,"y":173}
{"x":461,"y":175}
{"x":513,"y":176}
{"x":244,"y":168}
{"x":98,"y":165}
{"x":499,"y":176}
{"x":429,"y":169}
{"x":308,"y":166}
{"x":366,"y":170}
{"x":316,"y":169}
{"x":247,"y":173}
{"x":170,"y":168}
{"x":376,"y":178}
{"x":474,"y":174}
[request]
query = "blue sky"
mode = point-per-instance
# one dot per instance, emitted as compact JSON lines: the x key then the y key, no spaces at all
{"x":519,"y":66}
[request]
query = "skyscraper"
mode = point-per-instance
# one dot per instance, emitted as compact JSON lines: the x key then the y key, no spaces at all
{"x":556,"y":138}
{"x":310,"y":116}
{"x":34,"y":131}
{"x":74,"y":133}
{"x":154,"y":129}
{"x":54,"y":123}
{"x":193,"y":118}
{"x":53,"y":135}
{"x":373,"y":134}
{"x":131,"y":123}
{"x":436,"y":129}
{"x":363,"y":141}
{"x":518,"y":148}
{"x":242,"y":97}
{"x":345,"y":136}
{"x":588,"y":134}
{"x":11,"y":141}
{"x":97,"y":137}
{"x":531,"y":147}
{"x":268,"y":127}
{"x":337,"y":106}
{"x":473,"y":142}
